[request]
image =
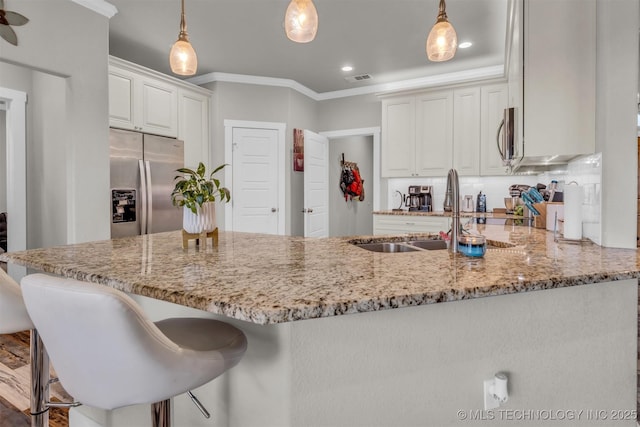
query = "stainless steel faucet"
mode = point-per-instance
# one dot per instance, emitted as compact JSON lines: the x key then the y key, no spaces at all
{"x":452,"y":203}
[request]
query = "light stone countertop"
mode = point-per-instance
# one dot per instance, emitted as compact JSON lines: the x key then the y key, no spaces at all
{"x":268,"y":279}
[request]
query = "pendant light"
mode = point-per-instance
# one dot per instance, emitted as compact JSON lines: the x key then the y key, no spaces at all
{"x":301,"y":21}
{"x":183,"y":58}
{"x":442,"y":41}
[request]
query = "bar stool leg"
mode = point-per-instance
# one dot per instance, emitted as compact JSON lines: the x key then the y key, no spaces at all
{"x":39,"y":381}
{"x":161,"y":414}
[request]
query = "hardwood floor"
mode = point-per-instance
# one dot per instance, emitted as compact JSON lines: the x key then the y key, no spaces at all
{"x":15,"y":373}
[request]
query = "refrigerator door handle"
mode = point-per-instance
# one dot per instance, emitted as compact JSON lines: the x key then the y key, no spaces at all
{"x":143,"y":198}
{"x":149,"y":198}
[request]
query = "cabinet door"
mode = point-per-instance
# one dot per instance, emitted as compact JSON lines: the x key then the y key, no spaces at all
{"x":466,"y":131}
{"x":159,"y":102}
{"x":493,"y":100}
{"x":434,"y":135}
{"x":193,"y":126}
{"x":398,"y":137}
{"x":400,"y":224}
{"x":121,"y":94}
{"x":559,"y":80}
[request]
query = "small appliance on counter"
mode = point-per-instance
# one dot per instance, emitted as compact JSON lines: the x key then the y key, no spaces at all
{"x":466,"y":205}
{"x":419,"y":198}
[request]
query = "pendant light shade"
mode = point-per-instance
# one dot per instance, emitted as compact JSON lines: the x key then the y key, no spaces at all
{"x":301,"y":21}
{"x":442,"y":41}
{"x":182,"y":58}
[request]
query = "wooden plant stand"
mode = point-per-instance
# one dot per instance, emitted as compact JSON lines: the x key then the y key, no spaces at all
{"x":200,"y":236}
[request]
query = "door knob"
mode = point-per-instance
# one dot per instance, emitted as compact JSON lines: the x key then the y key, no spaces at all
{"x":309,"y":210}
{"x":274,"y":210}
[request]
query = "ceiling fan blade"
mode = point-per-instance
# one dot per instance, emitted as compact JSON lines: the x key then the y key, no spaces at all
{"x":8,"y":34}
{"x":15,"y":18}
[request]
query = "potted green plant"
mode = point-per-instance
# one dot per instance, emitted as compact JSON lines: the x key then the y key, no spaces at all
{"x":196,"y":192}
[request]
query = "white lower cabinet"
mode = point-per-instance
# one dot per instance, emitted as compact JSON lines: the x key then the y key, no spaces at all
{"x":401,"y":224}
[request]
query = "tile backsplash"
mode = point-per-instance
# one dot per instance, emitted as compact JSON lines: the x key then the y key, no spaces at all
{"x":496,"y":188}
{"x":586,"y":171}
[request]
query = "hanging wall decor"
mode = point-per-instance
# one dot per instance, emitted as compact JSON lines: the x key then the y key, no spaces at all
{"x":298,"y":150}
{"x":7,"y":19}
{"x":351,"y":182}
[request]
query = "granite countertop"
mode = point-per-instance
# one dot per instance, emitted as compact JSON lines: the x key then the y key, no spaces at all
{"x":498,"y":215}
{"x":269,"y":279}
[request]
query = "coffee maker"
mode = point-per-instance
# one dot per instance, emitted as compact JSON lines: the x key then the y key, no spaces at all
{"x":419,"y":198}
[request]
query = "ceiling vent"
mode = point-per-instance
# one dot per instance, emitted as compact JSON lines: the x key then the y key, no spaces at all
{"x":358,"y":78}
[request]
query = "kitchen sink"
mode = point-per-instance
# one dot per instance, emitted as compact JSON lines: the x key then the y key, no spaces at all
{"x":416,"y":245}
{"x":403,"y":246}
{"x":386,"y":247}
{"x":429,"y":244}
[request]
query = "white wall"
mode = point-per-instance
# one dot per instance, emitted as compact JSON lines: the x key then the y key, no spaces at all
{"x":352,"y":217}
{"x":616,"y":117}
{"x":235,"y":101}
{"x":47,"y":163}
{"x":46,"y":156}
{"x":77,"y":51}
{"x":354,"y":112}
{"x":420,"y":366}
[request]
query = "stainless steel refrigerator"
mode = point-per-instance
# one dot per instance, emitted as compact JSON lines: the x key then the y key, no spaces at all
{"x":143,"y":168}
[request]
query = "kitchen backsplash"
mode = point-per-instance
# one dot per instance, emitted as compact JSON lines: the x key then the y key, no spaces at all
{"x":586,"y":171}
{"x":496,"y":188}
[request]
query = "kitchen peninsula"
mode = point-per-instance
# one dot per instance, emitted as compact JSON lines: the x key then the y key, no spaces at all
{"x":339,"y":335}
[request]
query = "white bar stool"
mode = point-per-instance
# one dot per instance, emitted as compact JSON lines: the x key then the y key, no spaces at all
{"x":108,"y":354}
{"x":13,"y":314}
{"x":14,"y":318}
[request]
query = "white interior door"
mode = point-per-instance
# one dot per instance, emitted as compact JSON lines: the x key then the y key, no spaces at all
{"x":316,"y":185}
{"x":255,"y":180}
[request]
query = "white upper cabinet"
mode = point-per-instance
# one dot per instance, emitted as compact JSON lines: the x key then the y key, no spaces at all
{"x":434,"y":139}
{"x":559,"y":78}
{"x":428,"y":133}
{"x":142,"y":102}
{"x":466,"y":133}
{"x":416,"y":135}
{"x":146,"y":101}
{"x":398,"y":136}
{"x":193,"y":126}
{"x":493,"y":101}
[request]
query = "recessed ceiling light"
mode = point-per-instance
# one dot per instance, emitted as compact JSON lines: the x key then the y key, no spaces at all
{"x":347,"y":68}
{"x":465,"y":45}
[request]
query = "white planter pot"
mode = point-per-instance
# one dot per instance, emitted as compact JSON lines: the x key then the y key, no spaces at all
{"x":204,"y":221}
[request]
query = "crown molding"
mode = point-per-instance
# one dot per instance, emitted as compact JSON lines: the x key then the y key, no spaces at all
{"x":99,"y":6}
{"x":253,"y":80}
{"x":496,"y":71}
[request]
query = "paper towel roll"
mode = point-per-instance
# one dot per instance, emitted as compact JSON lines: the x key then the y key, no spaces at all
{"x":573,"y":212}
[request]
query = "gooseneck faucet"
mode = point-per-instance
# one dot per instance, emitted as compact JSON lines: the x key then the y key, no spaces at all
{"x":452,"y":204}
